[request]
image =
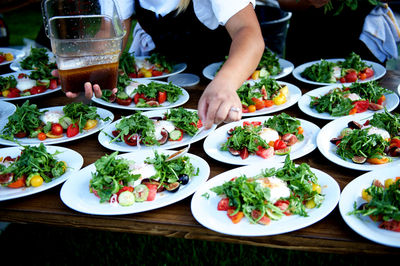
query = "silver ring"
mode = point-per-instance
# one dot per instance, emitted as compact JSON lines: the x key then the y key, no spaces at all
{"x":235,"y":109}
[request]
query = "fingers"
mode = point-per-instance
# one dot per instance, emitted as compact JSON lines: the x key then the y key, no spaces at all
{"x":55,"y":73}
{"x":71,"y":94}
{"x":88,"y":90}
{"x":97,"y":91}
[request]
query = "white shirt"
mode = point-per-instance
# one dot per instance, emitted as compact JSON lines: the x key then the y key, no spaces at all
{"x":211,"y":13}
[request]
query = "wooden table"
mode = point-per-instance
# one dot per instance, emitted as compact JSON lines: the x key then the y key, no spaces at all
{"x":328,"y":235}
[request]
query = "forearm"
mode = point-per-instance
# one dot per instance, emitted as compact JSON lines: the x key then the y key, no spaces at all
{"x":127,"y":24}
{"x":244,"y":55}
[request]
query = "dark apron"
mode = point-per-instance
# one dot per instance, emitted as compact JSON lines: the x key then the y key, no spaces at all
{"x":183,"y":38}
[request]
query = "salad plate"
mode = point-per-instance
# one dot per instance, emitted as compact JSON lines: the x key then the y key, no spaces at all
{"x":103,"y":113}
{"x":16,"y":54}
{"x":6,"y":109}
{"x":391,"y":102}
{"x":105,"y":136}
{"x":177,"y":68}
{"x":379,"y":71}
{"x":76,"y":195}
{"x":204,"y":205}
{"x":73,"y":159}
{"x":287,"y":68}
{"x":214,"y":141}
{"x":364,"y":226}
{"x":182,"y":100}
{"x":16,"y":65}
{"x":27,"y":72}
{"x":333,"y":130}
{"x":293,"y":97}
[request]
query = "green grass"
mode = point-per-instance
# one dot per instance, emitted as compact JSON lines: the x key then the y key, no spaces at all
{"x":45,"y":245}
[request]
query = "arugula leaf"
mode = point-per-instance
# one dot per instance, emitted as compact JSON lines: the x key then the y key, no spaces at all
{"x":151,"y":90}
{"x":246,"y":136}
{"x":369,"y":90}
{"x":81,"y":113}
{"x":111,"y":175}
{"x":333,"y":103}
{"x":320,"y":72}
{"x":353,"y":61}
{"x":36,"y":159}
{"x":162,"y":63}
{"x":127,"y":63}
{"x":36,"y":59}
{"x":26,"y":118}
{"x":284,"y":123}
{"x":7,"y":82}
{"x":183,"y":119}
{"x":270,"y":62}
{"x":389,"y":122}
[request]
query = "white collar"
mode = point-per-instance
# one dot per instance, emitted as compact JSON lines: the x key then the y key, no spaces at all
{"x":160,"y":7}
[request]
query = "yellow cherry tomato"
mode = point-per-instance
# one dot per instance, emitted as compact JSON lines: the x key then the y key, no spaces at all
{"x":256,"y":74}
{"x":310,"y":204}
{"x":91,"y":123}
{"x":146,"y":72}
{"x":366,"y":196}
{"x":9,"y":56}
{"x":284,"y":90}
{"x":280,"y":99}
{"x":252,"y":108}
{"x":389,"y":182}
{"x":5,"y":93}
{"x":36,"y":181}
{"x":64,"y":165}
{"x":316,"y":187}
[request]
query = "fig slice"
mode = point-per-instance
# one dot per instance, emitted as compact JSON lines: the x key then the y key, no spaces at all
{"x":354,"y":125}
{"x":359,"y":159}
{"x":164,"y":133}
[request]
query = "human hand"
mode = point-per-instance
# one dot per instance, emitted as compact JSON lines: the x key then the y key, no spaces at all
{"x":89,"y":89}
{"x":219,"y":103}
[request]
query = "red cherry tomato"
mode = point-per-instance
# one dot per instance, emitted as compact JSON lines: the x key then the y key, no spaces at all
{"x":162,"y":96}
{"x":56,"y":129}
{"x":361,"y":106}
{"x":124,"y":102}
{"x":351,"y":76}
{"x":223,"y":204}
{"x":72,"y":130}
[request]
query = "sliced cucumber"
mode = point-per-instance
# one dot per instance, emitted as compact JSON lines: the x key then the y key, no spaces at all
{"x":141,"y":193}
{"x":122,"y":95}
{"x":175,"y":134}
{"x":283,"y":151}
{"x":126,"y":198}
{"x":264,"y":73}
{"x":65,"y":121}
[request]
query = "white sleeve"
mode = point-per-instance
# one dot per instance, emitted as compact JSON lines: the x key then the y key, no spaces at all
{"x":217,"y":12}
{"x":125,"y":7}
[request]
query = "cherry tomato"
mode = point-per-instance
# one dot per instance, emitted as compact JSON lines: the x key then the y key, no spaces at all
{"x":132,"y":75}
{"x":279,"y":144}
{"x":362,"y":76}
{"x":268,"y":103}
{"x":20,"y":182}
{"x":252,"y":108}
{"x":42,"y":136}
{"x":284,"y":206}
{"x":56,"y":129}
{"x":223,"y":204}
{"x":265,"y":153}
{"x":53,"y":84}
{"x":152,"y":191}
{"x":162,"y":96}
{"x":391,"y":225}
{"x":20,"y":135}
{"x":2,"y":58}
{"x":124,"y":102}
{"x":235,"y":218}
{"x":72,"y":130}
{"x":351,"y":76}
{"x":156,"y":73}
{"x":369,"y":72}
{"x":258,"y":103}
{"x":361,"y":106}
{"x":381,"y":99}
{"x":244,"y":153}
{"x":14,"y":93}
{"x":255,"y":214}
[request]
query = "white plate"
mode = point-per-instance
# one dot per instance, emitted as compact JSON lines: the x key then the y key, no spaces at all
{"x":104,"y":138}
{"x":73,"y":159}
{"x":16,"y":54}
{"x":364,"y":225}
{"x":332,"y":130}
{"x":75,"y":192}
{"x":178,"y":68}
{"x":379,"y":71}
{"x":391,"y":102}
{"x":16,"y":65}
{"x":205,"y":210}
{"x":215,"y":140}
{"x":287,"y":68}
{"x":398,"y":90}
{"x":166,"y":105}
{"x":29,"y":141}
{"x":15,"y":74}
{"x":6,"y":109}
{"x":292,"y":98}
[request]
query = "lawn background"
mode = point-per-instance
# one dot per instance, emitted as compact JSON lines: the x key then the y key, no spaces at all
{"x":35,"y":244}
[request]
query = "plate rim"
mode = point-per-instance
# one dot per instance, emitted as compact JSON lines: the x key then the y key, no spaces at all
{"x":310,"y":148}
{"x":15,"y":52}
{"x":300,"y":68}
{"x":233,"y":172}
{"x":324,"y":89}
{"x":77,"y":156}
{"x":102,"y":135}
{"x":63,"y":139}
{"x":345,"y":205}
{"x":127,"y":210}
